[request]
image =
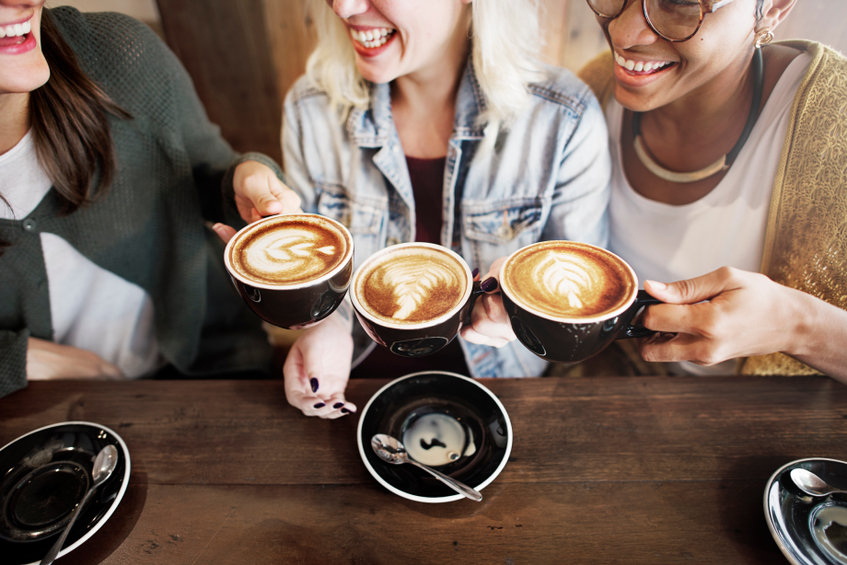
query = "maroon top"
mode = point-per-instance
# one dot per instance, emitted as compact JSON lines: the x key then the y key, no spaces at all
{"x":427,"y":176}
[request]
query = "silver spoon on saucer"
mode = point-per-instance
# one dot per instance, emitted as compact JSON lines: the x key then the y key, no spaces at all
{"x":812,"y":484}
{"x":393,"y":451}
{"x":104,"y":463}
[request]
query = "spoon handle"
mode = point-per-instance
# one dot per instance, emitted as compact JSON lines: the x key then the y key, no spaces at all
{"x":459,"y":487}
{"x":57,"y":547}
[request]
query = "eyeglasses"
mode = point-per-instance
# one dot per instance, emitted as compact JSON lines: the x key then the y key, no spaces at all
{"x":673,"y":20}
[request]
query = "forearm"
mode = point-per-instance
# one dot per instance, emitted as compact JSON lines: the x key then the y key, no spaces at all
{"x":820,"y":336}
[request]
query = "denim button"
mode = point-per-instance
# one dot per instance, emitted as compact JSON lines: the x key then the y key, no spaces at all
{"x":30,"y":224}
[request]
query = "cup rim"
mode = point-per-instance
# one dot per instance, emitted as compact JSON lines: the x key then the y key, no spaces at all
{"x":357,"y":306}
{"x":603,"y":316}
{"x":284,"y":286}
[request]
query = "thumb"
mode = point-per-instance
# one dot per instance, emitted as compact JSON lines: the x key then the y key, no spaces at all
{"x":688,"y":291}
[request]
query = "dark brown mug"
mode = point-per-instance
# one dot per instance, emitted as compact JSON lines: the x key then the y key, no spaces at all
{"x":413,"y":298}
{"x":292,"y":270}
{"x":567,"y":300}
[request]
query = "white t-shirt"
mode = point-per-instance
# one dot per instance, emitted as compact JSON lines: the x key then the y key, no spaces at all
{"x":91,"y":308}
{"x":667,"y":242}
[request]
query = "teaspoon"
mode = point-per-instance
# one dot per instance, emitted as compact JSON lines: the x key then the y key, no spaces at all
{"x":104,"y":463}
{"x":812,"y":484}
{"x":393,"y":451}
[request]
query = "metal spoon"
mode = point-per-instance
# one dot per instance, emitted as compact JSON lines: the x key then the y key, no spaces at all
{"x":393,"y":451}
{"x":104,"y":463}
{"x":812,"y":484}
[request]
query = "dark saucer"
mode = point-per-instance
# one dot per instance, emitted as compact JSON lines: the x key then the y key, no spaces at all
{"x":446,"y":420}
{"x":809,"y":530}
{"x":43,"y":475}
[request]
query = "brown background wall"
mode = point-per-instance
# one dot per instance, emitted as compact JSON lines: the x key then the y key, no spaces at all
{"x":244,"y":54}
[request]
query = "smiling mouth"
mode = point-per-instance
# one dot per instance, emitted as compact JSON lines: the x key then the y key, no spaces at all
{"x":642,"y":66}
{"x":372,"y":38}
{"x":16,"y":31}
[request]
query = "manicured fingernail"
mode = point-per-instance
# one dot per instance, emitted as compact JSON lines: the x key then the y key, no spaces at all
{"x":319,"y":405}
{"x":345,"y":411}
{"x":313,"y":382}
{"x":338,"y":405}
{"x":475,"y":273}
{"x":488,"y":285}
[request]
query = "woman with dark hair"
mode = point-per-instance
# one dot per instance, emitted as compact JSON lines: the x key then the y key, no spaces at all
{"x":729,"y":184}
{"x":109,"y":173}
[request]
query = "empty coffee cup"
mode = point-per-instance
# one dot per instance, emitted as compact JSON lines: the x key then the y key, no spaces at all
{"x":292,"y":270}
{"x":413,"y":297}
{"x":567,"y":301}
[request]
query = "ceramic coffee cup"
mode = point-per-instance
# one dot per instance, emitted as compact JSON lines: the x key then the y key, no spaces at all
{"x":413,"y":297}
{"x":292,"y":270}
{"x":567,"y":301}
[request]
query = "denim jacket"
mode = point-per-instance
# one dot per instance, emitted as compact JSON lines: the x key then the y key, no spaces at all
{"x":546,"y":177}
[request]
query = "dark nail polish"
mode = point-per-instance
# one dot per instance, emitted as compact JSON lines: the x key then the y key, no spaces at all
{"x":475,"y":273}
{"x":313,"y":382}
{"x":319,"y":405}
{"x":345,"y":411}
{"x":488,"y":285}
{"x":338,"y":405}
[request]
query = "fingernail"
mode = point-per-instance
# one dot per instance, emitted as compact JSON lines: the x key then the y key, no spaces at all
{"x":658,"y":285}
{"x":475,"y":273}
{"x":319,"y":405}
{"x":338,"y":405}
{"x":488,"y":285}
{"x":345,"y":411}
{"x":313,"y":382}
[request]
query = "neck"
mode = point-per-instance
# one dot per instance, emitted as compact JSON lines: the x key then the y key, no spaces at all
{"x":14,"y":119}
{"x":697,"y":131}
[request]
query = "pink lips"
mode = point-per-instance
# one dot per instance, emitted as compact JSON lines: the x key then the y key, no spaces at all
{"x":17,"y":44}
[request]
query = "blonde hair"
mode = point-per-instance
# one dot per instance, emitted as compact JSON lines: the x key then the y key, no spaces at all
{"x":505,"y":41}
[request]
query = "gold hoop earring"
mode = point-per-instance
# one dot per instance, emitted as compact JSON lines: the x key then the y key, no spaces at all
{"x":763,"y":38}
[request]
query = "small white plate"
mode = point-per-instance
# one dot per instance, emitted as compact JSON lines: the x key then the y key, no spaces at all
{"x":43,"y":475}
{"x":809,"y":530}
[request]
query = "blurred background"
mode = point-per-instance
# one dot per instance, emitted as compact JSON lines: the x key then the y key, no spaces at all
{"x":244,"y":54}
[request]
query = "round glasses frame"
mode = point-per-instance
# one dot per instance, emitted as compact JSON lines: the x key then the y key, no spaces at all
{"x":706,"y":7}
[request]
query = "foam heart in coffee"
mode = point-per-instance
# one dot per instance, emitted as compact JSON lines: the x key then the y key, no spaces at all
{"x":288,"y":250}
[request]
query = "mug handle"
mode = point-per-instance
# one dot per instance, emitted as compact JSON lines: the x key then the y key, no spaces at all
{"x":476,"y":291}
{"x":642,"y":300}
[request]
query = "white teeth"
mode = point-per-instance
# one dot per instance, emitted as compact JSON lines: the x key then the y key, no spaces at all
{"x":640,"y":66}
{"x":372,"y":38}
{"x":15,"y":30}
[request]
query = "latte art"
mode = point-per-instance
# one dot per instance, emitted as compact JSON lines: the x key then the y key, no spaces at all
{"x":567,"y":280}
{"x":412,"y":285}
{"x":289,"y":251}
{"x":566,"y":276}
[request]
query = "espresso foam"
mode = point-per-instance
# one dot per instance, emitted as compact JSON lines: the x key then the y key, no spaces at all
{"x":288,"y":251}
{"x":411,"y":285}
{"x":567,"y":280}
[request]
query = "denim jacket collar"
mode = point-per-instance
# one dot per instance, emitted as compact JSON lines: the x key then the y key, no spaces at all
{"x":374,"y":126}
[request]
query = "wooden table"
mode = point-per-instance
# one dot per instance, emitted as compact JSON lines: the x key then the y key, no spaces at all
{"x":603,"y":470}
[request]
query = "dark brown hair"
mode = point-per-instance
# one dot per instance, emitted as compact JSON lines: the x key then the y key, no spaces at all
{"x":70,"y":125}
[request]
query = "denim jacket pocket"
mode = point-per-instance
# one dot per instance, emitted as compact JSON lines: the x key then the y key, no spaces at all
{"x":362,"y":216}
{"x":504,"y":221}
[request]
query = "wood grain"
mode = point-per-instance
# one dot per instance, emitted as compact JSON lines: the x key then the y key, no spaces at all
{"x":609,"y":470}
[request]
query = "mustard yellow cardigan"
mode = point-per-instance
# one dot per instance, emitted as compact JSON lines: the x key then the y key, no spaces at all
{"x":806,"y":233}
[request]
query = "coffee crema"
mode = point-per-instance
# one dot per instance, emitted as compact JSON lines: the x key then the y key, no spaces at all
{"x":568,"y":280}
{"x":411,"y":285}
{"x":288,"y":250}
